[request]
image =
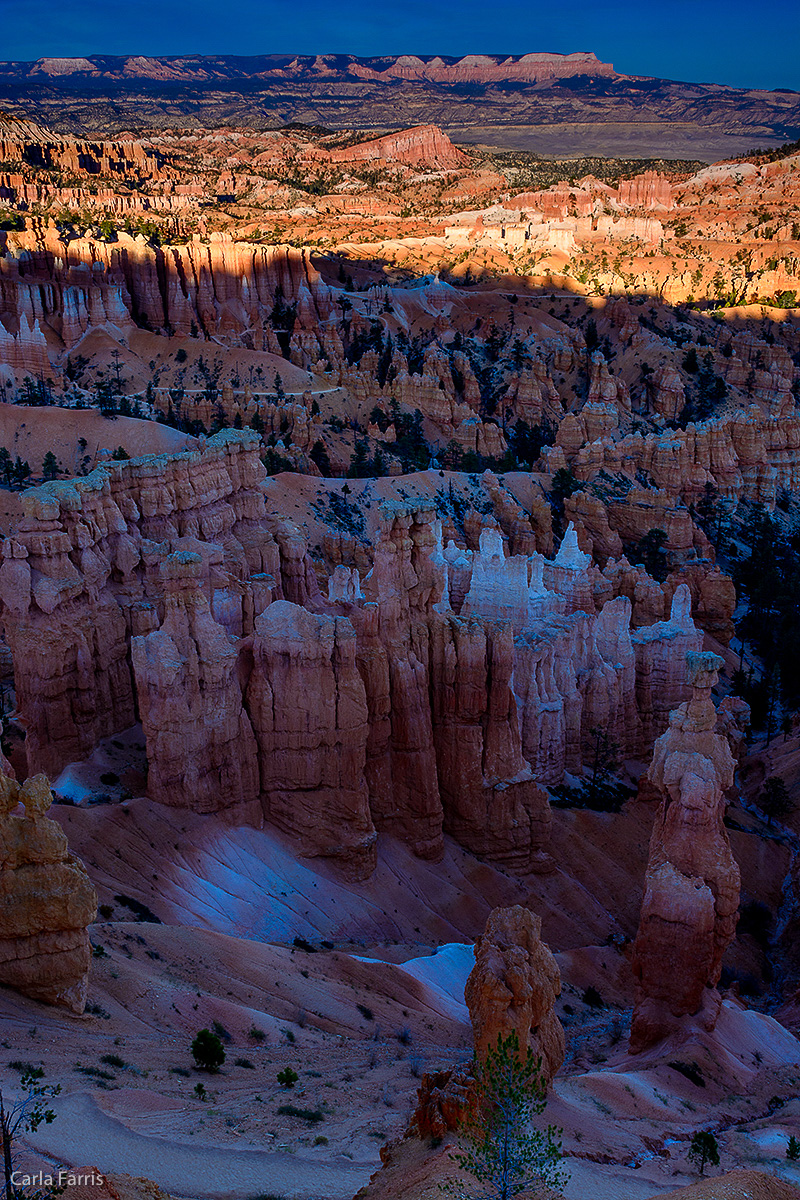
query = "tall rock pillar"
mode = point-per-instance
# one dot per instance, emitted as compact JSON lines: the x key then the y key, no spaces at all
{"x":689,"y":910}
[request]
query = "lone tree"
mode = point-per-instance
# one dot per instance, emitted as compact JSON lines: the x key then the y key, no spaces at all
{"x":505,"y":1154}
{"x":22,"y":1116}
{"x":604,"y":764}
{"x":775,"y":800}
{"x":704,"y":1149}
{"x":50,"y":465}
{"x":208,"y":1051}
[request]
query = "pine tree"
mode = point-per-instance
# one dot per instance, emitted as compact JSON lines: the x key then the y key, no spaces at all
{"x":704,"y":1149}
{"x":504,"y":1153}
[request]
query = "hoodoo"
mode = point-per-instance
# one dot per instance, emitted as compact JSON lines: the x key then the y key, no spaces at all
{"x":691,"y":898}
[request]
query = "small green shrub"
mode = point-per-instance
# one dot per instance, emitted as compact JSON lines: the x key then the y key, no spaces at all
{"x":114,"y":1060}
{"x":300,"y":943}
{"x":287,"y":1078}
{"x":244,"y":1062}
{"x":26,"y":1068}
{"x":95,"y":1072}
{"x":312,"y":1115}
{"x":140,"y":911}
{"x":208,"y":1051}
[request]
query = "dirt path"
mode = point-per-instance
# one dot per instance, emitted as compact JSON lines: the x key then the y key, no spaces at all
{"x":83,"y":1135}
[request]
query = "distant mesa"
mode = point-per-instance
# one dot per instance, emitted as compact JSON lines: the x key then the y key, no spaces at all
{"x":471,"y":68}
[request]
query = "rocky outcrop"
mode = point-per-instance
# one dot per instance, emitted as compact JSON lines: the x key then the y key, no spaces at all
{"x":47,"y":901}
{"x":201,"y":749}
{"x":163,"y":580}
{"x":308,"y":708}
{"x":82,"y":575}
{"x":689,"y":910}
{"x":408,"y":580}
{"x":443,"y":1100}
{"x":424,"y":145}
{"x":513,"y":988}
{"x":491,"y":803}
{"x":660,"y":651}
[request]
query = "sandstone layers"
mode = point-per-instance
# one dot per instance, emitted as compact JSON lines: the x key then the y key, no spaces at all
{"x":46,"y":900}
{"x":691,"y":899}
{"x":161,"y":586}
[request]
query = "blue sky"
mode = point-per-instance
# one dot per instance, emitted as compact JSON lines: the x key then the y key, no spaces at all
{"x":699,"y":40}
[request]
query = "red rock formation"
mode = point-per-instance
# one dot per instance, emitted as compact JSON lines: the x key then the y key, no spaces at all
{"x":200,"y":745}
{"x":689,"y":910}
{"x":424,"y":145}
{"x":491,"y":804}
{"x":660,"y":650}
{"x":67,"y":637}
{"x":46,"y":901}
{"x":443,"y":1100}
{"x":713,"y":598}
{"x":650,"y":190}
{"x":484,"y":68}
{"x":81,"y":576}
{"x":308,"y":708}
{"x":404,"y":789}
{"x":513,"y":988}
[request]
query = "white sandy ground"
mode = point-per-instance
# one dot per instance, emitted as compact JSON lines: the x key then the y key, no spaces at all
{"x":188,"y":1170}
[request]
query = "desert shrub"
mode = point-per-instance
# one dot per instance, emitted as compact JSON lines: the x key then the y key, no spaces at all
{"x":114,"y":1060}
{"x":287,"y":1078}
{"x":300,"y":943}
{"x":312,"y":1115}
{"x":140,"y":911}
{"x":208,"y":1051}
